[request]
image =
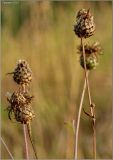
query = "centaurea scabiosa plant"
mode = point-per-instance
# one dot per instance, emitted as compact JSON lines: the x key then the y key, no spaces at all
{"x":85,"y":28}
{"x":20,"y":101}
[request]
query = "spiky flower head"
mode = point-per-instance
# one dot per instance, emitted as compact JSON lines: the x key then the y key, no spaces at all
{"x":24,"y":115}
{"x":22,"y":74}
{"x":94,"y":48}
{"x":82,"y":14}
{"x":91,"y":54}
{"x":91,"y":62}
{"x":84,"y":26}
{"x":20,"y":106}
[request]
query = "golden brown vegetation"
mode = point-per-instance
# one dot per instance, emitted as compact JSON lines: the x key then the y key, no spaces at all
{"x":42,"y":34}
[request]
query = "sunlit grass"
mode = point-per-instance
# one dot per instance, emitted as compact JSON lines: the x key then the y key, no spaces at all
{"x":47,"y":41}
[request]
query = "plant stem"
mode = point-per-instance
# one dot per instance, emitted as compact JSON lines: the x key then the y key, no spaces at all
{"x":90,"y":101}
{"x":94,"y":138}
{"x":86,"y":75}
{"x":29,"y":133}
{"x":78,"y":122}
{"x":7,"y":148}
{"x":26,"y":142}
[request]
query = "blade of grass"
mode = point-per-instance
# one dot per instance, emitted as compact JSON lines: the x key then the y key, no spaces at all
{"x":6,"y":147}
{"x":78,"y":122}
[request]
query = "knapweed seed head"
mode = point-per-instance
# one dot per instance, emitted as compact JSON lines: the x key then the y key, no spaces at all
{"x":20,"y":106}
{"x":94,"y":48}
{"x":91,"y":54}
{"x":84,"y":26}
{"x":24,"y":115}
{"x":22,"y":74}
{"x":91,"y":62}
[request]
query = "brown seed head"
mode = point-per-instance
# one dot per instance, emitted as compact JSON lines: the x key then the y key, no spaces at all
{"x":22,"y":74}
{"x":20,"y":106}
{"x":24,"y":115}
{"x":84,"y":26}
{"x":91,"y":52}
{"x":95,"y":48}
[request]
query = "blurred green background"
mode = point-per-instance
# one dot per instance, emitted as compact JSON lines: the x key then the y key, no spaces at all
{"x":41,"y":32}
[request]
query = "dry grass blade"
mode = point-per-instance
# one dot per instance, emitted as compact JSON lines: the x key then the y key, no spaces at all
{"x":5,"y":145}
{"x":78,"y":122}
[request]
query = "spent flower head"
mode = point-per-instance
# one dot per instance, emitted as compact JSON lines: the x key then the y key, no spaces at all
{"x":20,"y":106}
{"x":85,"y":25}
{"x":22,"y":73}
{"x":91,"y":51}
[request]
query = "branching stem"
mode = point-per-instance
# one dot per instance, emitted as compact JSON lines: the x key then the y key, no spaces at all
{"x":92,"y":109}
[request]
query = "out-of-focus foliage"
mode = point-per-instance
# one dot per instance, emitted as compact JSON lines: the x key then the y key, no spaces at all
{"x":42,"y":33}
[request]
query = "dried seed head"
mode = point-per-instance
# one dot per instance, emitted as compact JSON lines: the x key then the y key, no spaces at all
{"x":95,"y":48}
{"x":91,"y":52}
{"x":24,"y":115}
{"x":91,"y":61}
{"x":82,"y":13}
{"x":84,"y":26}
{"x":20,"y":105}
{"x":22,"y":74}
{"x":20,"y":98}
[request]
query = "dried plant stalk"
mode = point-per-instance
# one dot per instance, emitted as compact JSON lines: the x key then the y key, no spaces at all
{"x":86,"y":85}
{"x":92,"y":112}
{"x":84,"y":28}
{"x":78,"y":122}
{"x":20,"y":101}
{"x":25,"y":142}
{"x":30,"y":137}
{"x":5,"y":145}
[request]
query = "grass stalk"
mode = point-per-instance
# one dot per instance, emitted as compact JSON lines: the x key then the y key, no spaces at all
{"x":92,"y":111}
{"x":26,"y":142}
{"x":78,"y":122}
{"x":6,"y":147}
{"x":29,"y":134}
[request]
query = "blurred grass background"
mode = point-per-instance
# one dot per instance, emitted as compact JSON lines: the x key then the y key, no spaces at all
{"x":41,"y":32}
